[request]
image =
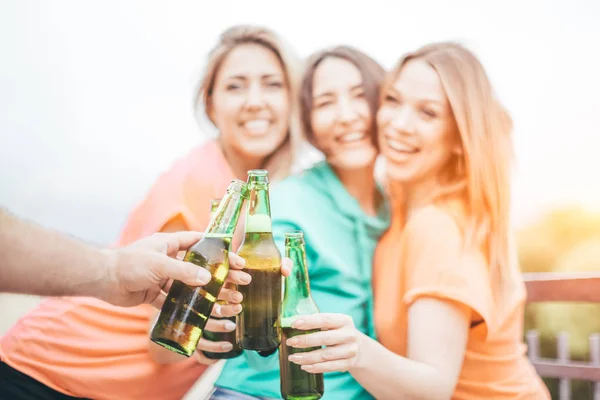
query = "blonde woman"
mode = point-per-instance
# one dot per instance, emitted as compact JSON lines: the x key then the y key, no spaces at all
{"x":84,"y":348}
{"x":448,"y":295}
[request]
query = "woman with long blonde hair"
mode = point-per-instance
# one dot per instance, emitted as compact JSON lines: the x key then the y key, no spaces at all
{"x":84,"y":348}
{"x":449,"y":299}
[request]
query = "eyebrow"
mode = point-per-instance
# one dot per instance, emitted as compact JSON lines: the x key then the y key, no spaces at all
{"x":265,"y":76}
{"x":423,"y":100}
{"x":435,"y":101}
{"x":330,"y":93}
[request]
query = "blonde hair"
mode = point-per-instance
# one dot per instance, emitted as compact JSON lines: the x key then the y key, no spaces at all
{"x":481,"y":174}
{"x":279,"y":163}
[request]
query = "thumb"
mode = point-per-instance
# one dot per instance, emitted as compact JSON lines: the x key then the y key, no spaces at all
{"x":180,"y":241}
{"x":184,"y":271}
{"x":286,"y":266}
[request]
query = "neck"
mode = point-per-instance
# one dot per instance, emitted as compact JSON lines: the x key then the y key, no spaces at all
{"x":419,"y":194}
{"x":240,"y":164}
{"x":360,"y":183}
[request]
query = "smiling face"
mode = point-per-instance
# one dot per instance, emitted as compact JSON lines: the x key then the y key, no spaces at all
{"x":340,"y":116}
{"x":417,"y":131}
{"x":250,"y":103}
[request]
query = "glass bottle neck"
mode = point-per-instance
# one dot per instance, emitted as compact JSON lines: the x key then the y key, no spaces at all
{"x":297,"y":286}
{"x":258,"y":216}
{"x":225,"y":219}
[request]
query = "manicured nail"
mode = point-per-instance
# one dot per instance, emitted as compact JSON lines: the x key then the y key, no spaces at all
{"x":218,"y":310}
{"x":292,"y":342}
{"x":202,"y":276}
{"x":240,"y":262}
{"x":226,"y":346}
{"x":230,"y":325}
{"x":295,"y":358}
{"x":297,"y":323}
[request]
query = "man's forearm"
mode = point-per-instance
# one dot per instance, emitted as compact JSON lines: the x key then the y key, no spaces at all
{"x":37,"y":260}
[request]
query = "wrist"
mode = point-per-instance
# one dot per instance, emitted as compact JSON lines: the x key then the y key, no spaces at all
{"x":362,"y":343}
{"x":108,"y":281}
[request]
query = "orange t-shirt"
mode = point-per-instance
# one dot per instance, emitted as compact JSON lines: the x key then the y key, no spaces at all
{"x":425,"y":258}
{"x":84,"y":347}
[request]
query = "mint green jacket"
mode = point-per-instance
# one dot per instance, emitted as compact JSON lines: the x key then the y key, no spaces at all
{"x":340,"y":242}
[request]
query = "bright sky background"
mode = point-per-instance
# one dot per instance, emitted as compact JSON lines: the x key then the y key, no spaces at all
{"x":96,"y":96}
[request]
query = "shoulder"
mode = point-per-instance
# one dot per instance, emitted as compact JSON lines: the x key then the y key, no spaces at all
{"x":202,"y":167}
{"x":185,"y":188}
{"x":300,"y":202}
{"x":205,"y":161}
{"x":308,"y":185}
{"x":433,"y":223}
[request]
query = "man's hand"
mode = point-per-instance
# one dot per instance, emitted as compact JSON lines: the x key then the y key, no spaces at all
{"x":140,"y":273}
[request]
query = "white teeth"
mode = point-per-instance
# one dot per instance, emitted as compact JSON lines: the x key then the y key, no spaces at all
{"x":257,"y":126}
{"x":401,"y":147}
{"x":351,"y":137}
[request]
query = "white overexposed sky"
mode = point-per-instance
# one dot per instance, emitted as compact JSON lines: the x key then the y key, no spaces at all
{"x":96,"y":96}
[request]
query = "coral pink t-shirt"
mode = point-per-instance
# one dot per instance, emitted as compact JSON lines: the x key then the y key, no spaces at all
{"x":84,"y":347}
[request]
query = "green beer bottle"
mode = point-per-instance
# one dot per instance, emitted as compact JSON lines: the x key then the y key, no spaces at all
{"x":296,"y":383}
{"x":184,"y":314}
{"x":258,"y":323}
{"x":221,"y":336}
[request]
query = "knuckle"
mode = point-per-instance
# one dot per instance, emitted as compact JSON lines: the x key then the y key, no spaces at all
{"x":227,"y":312}
{"x":326,"y":355}
{"x":158,"y":235}
{"x":233,"y":274}
{"x":351,"y":337}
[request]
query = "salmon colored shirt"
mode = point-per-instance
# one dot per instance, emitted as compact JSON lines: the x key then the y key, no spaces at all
{"x":84,"y":347}
{"x":425,"y":259}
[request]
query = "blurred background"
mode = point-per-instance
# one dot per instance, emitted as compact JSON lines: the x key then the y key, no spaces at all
{"x":96,"y":100}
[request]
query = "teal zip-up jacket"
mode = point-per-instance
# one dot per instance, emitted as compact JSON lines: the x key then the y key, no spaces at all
{"x":340,"y":242}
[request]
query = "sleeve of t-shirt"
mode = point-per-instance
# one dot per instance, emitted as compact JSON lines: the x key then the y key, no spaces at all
{"x":173,"y":195}
{"x":438,"y":265}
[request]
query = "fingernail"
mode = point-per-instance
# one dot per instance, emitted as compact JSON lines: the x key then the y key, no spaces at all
{"x":230,"y":325}
{"x":307,"y":367}
{"x":295,"y":358}
{"x":226,"y":346}
{"x":246,"y":278}
{"x":297,"y":323}
{"x":237,"y":308}
{"x":218,"y":310}
{"x":241,"y":262}
{"x":292,"y":341}
{"x":237,"y":297}
{"x":202,"y":276}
